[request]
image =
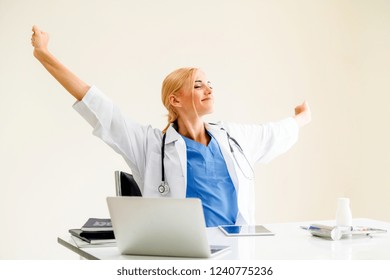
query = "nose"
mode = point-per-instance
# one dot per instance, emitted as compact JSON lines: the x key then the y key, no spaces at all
{"x":209,"y":89}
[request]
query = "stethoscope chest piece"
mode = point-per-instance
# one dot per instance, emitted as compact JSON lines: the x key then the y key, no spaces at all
{"x":163,"y":189}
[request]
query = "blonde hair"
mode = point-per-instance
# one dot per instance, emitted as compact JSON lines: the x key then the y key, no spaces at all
{"x":172,"y":84}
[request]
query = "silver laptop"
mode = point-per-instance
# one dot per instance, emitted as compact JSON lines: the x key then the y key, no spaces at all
{"x":160,"y":227}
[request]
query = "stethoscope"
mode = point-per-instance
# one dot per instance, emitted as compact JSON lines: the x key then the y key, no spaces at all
{"x":164,"y":189}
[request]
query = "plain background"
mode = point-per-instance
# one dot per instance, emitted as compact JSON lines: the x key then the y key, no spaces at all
{"x":263,"y":57}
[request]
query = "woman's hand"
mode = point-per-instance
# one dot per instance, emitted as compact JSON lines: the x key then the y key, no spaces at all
{"x":39,"y":40}
{"x":302,"y":114}
{"x":73,"y":84}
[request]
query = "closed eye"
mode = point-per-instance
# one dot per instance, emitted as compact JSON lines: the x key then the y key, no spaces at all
{"x":199,"y":84}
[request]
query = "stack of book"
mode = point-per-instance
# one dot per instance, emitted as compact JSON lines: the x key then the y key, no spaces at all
{"x":95,"y":231}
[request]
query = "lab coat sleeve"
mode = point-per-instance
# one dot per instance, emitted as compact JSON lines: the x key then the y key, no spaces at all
{"x":125,"y":136}
{"x":266,"y":141}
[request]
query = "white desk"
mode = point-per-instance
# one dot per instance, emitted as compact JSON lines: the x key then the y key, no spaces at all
{"x":289,"y":243}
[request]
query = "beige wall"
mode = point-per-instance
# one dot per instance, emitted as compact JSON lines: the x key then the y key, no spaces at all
{"x":264,"y":57}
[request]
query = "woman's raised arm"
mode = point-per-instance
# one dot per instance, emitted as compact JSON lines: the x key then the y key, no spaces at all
{"x":73,"y":84}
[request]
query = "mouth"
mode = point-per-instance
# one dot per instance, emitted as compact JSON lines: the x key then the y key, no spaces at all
{"x":207,"y":99}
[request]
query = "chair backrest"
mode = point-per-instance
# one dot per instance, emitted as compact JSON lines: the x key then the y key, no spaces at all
{"x":125,"y":184}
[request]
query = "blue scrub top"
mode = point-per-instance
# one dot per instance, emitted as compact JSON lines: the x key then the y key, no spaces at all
{"x":209,"y":180}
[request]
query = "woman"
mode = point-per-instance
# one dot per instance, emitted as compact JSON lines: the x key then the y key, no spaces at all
{"x":213,"y":162}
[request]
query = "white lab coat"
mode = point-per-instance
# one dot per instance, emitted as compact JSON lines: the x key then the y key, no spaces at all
{"x":140,"y":146}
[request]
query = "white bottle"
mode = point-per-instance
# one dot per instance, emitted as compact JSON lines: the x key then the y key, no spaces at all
{"x":343,"y":214}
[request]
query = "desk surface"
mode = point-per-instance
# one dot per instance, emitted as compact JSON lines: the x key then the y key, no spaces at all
{"x":290,"y":242}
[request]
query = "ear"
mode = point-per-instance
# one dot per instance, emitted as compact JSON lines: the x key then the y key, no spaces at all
{"x":174,"y":101}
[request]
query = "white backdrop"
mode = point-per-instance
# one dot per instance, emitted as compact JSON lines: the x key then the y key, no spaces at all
{"x":263,"y":57}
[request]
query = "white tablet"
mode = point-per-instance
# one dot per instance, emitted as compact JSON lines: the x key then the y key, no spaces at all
{"x":233,"y":230}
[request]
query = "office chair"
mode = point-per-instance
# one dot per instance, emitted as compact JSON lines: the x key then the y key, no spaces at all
{"x":125,"y":184}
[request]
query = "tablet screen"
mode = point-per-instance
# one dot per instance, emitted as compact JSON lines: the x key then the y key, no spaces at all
{"x":233,"y":230}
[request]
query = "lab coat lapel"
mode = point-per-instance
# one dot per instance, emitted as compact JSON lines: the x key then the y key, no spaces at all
{"x":221,"y":137}
{"x":174,"y":137}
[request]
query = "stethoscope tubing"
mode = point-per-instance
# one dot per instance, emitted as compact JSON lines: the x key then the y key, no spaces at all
{"x":163,"y":188}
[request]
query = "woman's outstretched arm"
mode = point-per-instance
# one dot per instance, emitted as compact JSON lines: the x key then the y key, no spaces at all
{"x":73,"y":84}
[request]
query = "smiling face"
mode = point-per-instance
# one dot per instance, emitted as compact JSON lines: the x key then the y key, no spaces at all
{"x":196,"y":99}
{"x":203,"y":94}
{"x":186,"y":93}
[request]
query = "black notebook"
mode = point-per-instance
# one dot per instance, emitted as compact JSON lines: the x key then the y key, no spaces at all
{"x":97,"y":237}
{"x":97,"y":224}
